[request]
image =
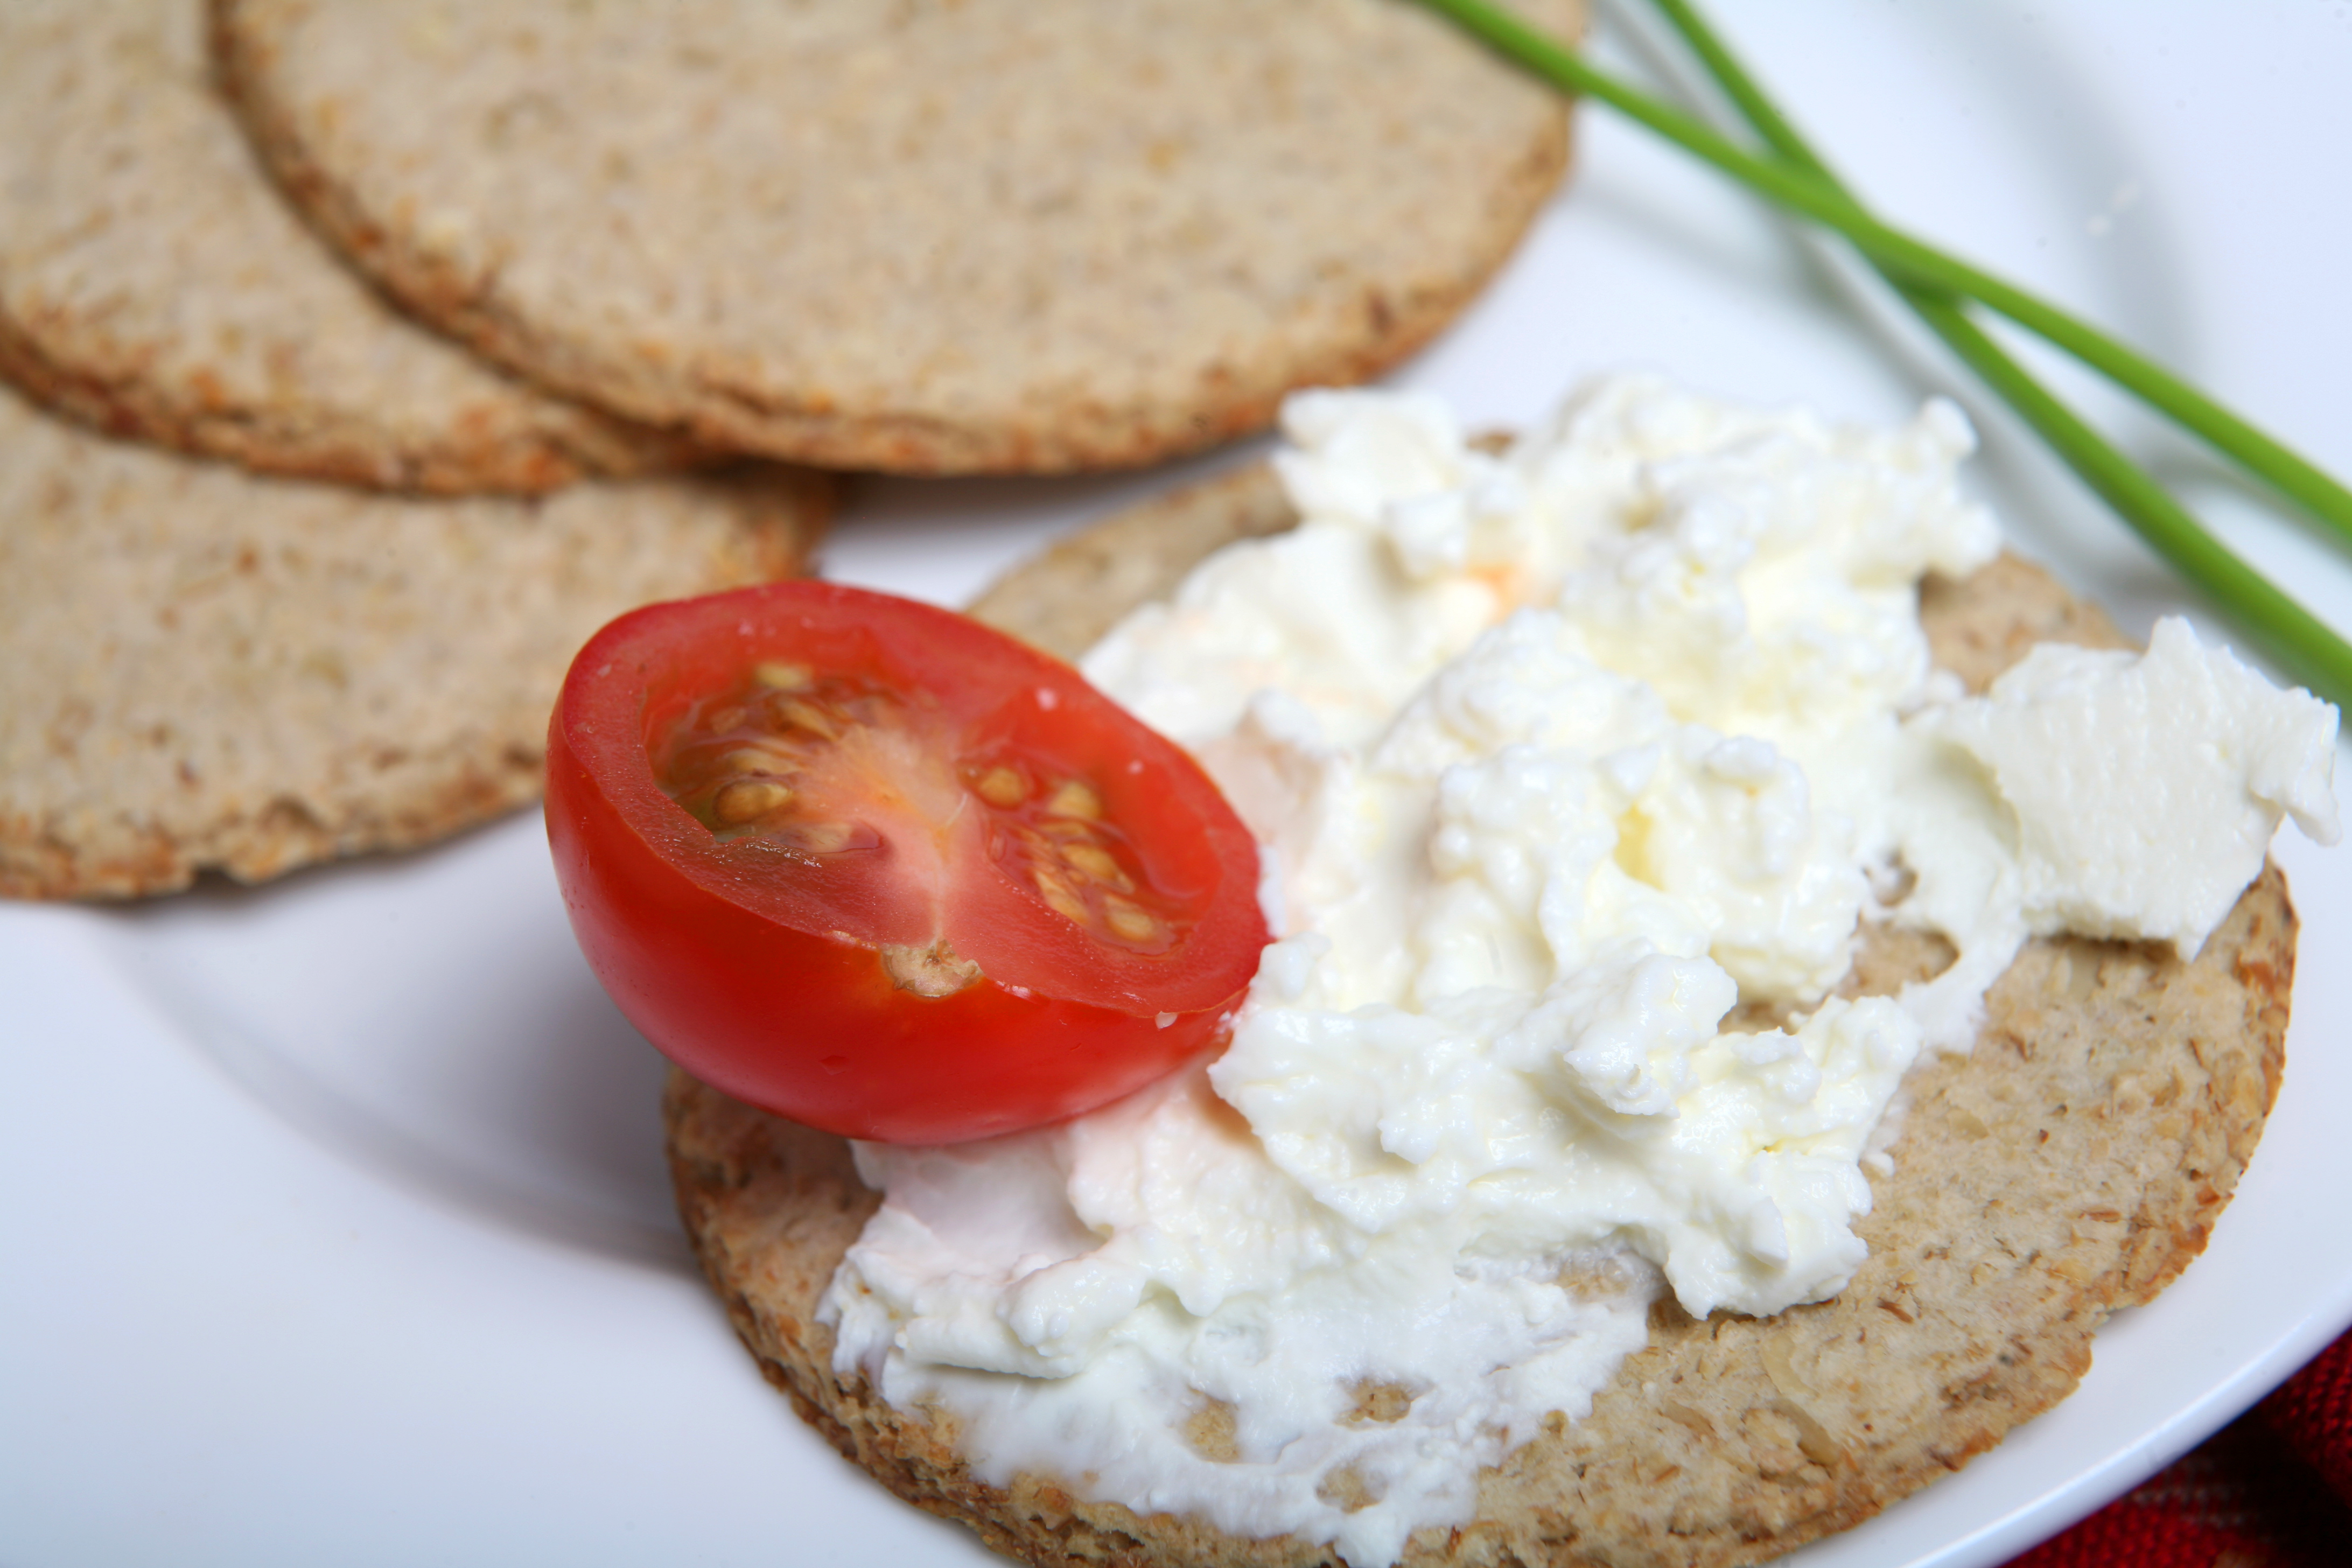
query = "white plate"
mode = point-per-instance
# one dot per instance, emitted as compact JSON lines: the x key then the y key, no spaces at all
{"x":333,"y":1226}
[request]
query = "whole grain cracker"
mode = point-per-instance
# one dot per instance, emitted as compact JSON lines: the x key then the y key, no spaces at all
{"x":200,"y":667}
{"x":933,"y":235}
{"x":152,"y":283}
{"x":2072,"y":1164}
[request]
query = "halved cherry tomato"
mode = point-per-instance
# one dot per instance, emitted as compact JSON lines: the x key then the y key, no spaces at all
{"x":879,"y":868}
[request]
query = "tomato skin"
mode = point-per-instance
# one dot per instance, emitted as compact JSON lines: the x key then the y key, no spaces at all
{"x":705,"y":947}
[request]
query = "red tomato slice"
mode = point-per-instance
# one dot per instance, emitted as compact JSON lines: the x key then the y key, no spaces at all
{"x":880,"y":870}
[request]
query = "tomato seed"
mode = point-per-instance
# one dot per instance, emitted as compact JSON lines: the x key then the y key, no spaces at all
{"x":828,"y":837}
{"x":1002,"y":787}
{"x":814,"y":720}
{"x":747,"y":800}
{"x":1130,"y":922}
{"x":779,"y":676}
{"x":1074,"y":798}
{"x":1094,"y":862}
{"x":1059,"y":897}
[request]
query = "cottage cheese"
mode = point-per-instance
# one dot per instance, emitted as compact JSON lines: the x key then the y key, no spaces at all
{"x":1555,"y":756}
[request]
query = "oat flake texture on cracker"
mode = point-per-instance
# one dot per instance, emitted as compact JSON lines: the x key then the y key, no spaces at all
{"x":2072,"y":1164}
{"x":154,"y":283}
{"x":203,"y":668}
{"x":992,"y":235}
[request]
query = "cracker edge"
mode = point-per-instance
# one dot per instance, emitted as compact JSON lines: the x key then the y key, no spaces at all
{"x":1081,"y":437}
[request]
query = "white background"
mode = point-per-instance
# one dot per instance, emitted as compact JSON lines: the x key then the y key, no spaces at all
{"x":333,"y":1223}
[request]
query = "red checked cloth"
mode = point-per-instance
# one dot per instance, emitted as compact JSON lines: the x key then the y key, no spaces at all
{"x":2273,"y":1489}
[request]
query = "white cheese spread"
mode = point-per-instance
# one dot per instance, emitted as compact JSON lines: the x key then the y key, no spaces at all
{"x":1556,"y":756}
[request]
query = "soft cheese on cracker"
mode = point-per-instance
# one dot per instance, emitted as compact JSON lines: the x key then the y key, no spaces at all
{"x":1557,"y":758}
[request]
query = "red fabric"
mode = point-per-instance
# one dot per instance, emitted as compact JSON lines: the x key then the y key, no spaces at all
{"x":2272,"y":1489}
{"x":2313,"y":1412}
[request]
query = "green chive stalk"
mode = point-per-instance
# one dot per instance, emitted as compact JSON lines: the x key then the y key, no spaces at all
{"x":2299,"y":641}
{"x":1935,"y":285}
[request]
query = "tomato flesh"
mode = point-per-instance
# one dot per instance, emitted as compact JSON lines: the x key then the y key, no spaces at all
{"x":880,"y":870}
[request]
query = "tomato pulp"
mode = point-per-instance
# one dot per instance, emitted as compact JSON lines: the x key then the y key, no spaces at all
{"x":881,"y":870}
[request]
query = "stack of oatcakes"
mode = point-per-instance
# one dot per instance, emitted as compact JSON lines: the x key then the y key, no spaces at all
{"x":363,"y":360}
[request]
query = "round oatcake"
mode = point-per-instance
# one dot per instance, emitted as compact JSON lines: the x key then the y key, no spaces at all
{"x":152,"y":283}
{"x":943,"y":236}
{"x":2072,"y":1164}
{"x":200,"y":667}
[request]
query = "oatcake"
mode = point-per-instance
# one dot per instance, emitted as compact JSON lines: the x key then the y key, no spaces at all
{"x":2074,"y":1163}
{"x":203,"y":668}
{"x":152,"y":283}
{"x":1001,"y":235}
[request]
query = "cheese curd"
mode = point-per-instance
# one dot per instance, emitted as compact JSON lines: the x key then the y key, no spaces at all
{"x":1556,"y":756}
